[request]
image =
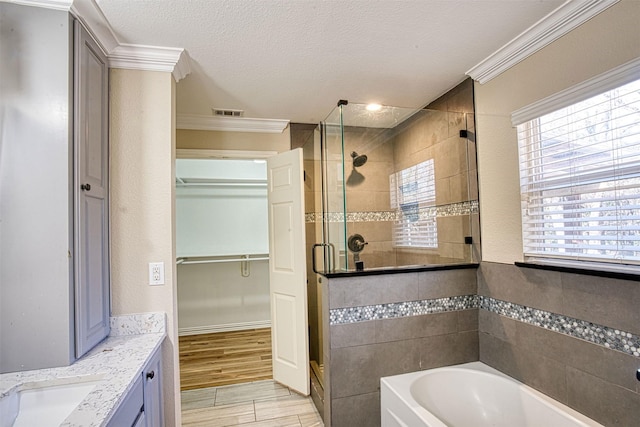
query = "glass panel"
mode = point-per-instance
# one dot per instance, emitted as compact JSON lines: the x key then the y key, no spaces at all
{"x":335,"y":192}
{"x":377,"y":163}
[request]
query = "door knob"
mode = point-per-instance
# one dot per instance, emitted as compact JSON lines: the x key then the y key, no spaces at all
{"x":85,"y":187}
{"x":150,"y":375}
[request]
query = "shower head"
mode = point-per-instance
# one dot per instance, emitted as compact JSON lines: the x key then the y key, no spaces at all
{"x":358,"y":160}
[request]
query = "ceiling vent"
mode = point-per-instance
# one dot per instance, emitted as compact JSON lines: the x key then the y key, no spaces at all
{"x":220,"y":112}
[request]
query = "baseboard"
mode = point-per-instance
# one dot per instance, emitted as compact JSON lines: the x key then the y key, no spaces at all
{"x":209,"y":329}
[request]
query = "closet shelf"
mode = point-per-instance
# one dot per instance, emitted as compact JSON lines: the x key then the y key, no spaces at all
{"x":221,"y":258}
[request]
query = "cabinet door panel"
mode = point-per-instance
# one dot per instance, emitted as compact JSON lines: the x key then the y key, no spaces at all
{"x":93,"y":211}
{"x":153,"y":406}
{"x":131,"y":408}
{"x":91,"y":189}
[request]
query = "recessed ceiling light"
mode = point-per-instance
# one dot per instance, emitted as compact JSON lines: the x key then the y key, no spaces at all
{"x":374,"y":107}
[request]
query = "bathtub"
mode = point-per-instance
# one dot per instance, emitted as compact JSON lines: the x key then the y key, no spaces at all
{"x":470,"y":395}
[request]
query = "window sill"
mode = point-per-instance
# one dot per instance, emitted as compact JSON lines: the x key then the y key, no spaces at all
{"x":586,"y":270}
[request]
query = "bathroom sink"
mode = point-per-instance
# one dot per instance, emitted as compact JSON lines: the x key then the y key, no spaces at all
{"x":43,"y":404}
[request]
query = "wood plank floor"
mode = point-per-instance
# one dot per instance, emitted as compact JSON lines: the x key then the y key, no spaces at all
{"x":223,"y":358}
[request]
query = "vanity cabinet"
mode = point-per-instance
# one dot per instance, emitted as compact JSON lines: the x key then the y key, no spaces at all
{"x":131,"y":410}
{"x":152,"y":377}
{"x":142,"y":406}
{"x":54,"y":263}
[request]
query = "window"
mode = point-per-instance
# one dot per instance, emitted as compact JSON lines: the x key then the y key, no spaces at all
{"x":413,"y":197}
{"x":580,"y":178}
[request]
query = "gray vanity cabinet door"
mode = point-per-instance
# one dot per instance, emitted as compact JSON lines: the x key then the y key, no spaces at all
{"x":153,"y":407}
{"x":91,"y":180}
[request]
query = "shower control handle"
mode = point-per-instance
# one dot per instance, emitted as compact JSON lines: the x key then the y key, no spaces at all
{"x":356,"y":243}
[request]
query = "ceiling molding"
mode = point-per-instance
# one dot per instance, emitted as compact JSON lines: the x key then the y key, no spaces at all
{"x":151,"y":58}
{"x":49,"y":4}
{"x":230,"y":124}
{"x":90,"y":14}
{"x":183,"y":66}
{"x":562,"y":20}
{"x":121,"y":55}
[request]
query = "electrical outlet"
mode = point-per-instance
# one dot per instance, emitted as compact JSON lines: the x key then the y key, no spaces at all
{"x":156,"y":273}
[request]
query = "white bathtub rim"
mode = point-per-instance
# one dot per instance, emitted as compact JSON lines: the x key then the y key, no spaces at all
{"x":404,"y":382}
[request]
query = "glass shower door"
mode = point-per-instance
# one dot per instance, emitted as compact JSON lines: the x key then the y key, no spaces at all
{"x":333,"y":193}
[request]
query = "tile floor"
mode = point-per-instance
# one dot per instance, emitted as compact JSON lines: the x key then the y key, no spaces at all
{"x":256,"y":404}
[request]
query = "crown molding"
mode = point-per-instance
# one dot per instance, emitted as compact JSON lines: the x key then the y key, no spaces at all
{"x":182,"y":67}
{"x":230,"y":124}
{"x":120,"y":55}
{"x":90,"y":14}
{"x":49,"y":4}
{"x":151,"y":58}
{"x":562,"y":20}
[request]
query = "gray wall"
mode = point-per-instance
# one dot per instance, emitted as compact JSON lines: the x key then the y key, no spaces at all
{"x":588,"y":377}
{"x":358,"y":354}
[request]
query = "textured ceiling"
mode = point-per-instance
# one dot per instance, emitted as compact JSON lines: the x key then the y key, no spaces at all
{"x":293,"y":59}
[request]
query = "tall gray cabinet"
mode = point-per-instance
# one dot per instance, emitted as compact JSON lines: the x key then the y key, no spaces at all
{"x":54,"y":246}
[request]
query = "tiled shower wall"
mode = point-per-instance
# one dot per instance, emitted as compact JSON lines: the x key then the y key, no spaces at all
{"x":388,"y":337}
{"x":587,"y":376}
{"x":436,"y":135}
{"x":433,"y":133}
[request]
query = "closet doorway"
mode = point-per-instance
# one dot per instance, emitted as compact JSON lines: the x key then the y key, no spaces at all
{"x":222,"y":252}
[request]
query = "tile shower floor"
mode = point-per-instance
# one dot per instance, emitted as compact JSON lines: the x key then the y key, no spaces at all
{"x":256,"y":404}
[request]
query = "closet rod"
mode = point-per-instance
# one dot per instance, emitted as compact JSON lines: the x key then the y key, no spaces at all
{"x":185,"y":261}
{"x":220,"y":184}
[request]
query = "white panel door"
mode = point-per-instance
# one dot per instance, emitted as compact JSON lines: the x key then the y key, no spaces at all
{"x":287,"y":271}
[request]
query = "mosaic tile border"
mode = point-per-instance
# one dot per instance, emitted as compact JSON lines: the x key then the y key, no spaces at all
{"x":340,"y":316}
{"x":597,"y":334}
{"x":454,"y":209}
{"x":605,"y":336}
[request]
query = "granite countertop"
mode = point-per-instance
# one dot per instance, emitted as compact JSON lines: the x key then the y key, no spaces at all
{"x":116,"y":362}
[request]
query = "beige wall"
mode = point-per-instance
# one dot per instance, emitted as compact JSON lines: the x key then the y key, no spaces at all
{"x":142,"y":144}
{"x":606,"y":41}
{"x":219,"y":140}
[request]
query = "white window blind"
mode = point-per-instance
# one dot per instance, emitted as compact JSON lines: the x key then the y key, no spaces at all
{"x":413,"y":197}
{"x":580,"y":179}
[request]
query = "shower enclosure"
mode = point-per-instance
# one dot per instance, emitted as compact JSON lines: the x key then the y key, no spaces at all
{"x":397,"y":188}
{"x":389,"y":188}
